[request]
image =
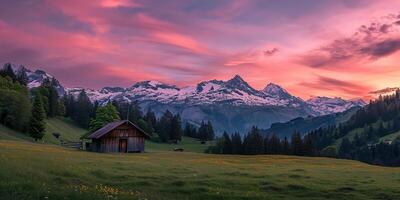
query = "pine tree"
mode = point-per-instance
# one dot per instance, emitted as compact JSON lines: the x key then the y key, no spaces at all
{"x":144,"y":126}
{"x":296,"y":144}
{"x":273,"y":144}
{"x":285,"y":146}
{"x":151,"y":120}
{"x":104,"y":115}
{"x":82,"y":110}
{"x":308,"y":146}
{"x":164,"y":126}
{"x":345,"y":148}
{"x":210,"y":131}
{"x":253,"y":143}
{"x":227,"y":147}
{"x":190,"y":130}
{"x":53,"y":98}
{"x":37,"y":124}
{"x":237,"y":147}
{"x":176,"y":128}
{"x":206,"y":131}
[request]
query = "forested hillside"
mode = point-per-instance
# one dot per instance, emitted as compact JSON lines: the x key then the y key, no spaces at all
{"x":305,"y":125}
{"x":370,"y":135}
{"x":364,"y":136}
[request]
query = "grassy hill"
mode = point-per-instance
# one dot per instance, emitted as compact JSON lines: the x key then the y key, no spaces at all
{"x":66,"y":128}
{"x":39,"y":171}
{"x":9,"y":134}
{"x":70,"y":132}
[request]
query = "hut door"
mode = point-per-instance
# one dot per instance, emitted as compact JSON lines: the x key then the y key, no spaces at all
{"x":123,"y":145}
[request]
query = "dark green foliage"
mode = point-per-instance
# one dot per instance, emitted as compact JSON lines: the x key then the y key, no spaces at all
{"x":285,"y":146}
{"x":253,"y":142}
{"x":296,"y":144}
{"x":227,"y":145}
{"x":104,"y":115}
{"x":15,"y":108}
{"x":164,"y":126}
{"x":50,"y":98}
{"x":379,"y":118}
{"x":237,"y":147}
{"x":81,"y":109}
{"x":176,"y":128}
{"x":151,"y":120}
{"x":206,"y":131}
{"x":168,"y":128}
{"x":37,"y":124}
{"x":190,"y":131}
{"x":272,"y":144}
{"x":144,"y":126}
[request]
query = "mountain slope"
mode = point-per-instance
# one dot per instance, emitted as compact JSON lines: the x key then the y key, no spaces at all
{"x":305,"y":125}
{"x":231,"y":105}
{"x":66,"y":128}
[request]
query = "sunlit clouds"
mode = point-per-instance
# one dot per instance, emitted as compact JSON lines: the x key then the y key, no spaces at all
{"x":346,"y":48}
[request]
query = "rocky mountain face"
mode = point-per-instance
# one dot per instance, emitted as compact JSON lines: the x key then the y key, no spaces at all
{"x":231,"y":105}
{"x":36,"y":78}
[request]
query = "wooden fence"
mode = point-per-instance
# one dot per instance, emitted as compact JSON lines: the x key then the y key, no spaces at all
{"x":75,"y":145}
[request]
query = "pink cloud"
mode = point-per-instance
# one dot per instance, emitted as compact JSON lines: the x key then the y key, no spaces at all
{"x":118,"y":42}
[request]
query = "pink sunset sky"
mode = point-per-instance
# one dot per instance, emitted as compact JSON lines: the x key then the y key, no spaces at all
{"x":344,"y":48}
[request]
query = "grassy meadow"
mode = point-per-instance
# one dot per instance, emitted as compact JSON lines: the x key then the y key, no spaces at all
{"x":31,"y":170}
{"x":39,"y":171}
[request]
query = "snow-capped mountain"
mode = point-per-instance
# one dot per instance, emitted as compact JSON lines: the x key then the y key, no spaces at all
{"x":325,"y":105}
{"x":235,"y":91}
{"x":231,"y":105}
{"x":35,"y":78}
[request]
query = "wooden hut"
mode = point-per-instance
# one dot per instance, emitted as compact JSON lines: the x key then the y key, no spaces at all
{"x":121,"y":136}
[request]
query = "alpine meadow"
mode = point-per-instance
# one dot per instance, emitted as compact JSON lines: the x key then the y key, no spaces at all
{"x":228,"y":99}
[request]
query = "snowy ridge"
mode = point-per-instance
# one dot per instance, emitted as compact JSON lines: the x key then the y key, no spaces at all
{"x":325,"y":105}
{"x":216,"y":92}
{"x":235,"y":91}
{"x":35,"y":78}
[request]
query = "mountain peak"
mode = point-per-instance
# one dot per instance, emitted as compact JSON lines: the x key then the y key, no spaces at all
{"x":154,"y":85}
{"x":276,"y":90}
{"x":237,"y":83}
{"x":236,"y":80}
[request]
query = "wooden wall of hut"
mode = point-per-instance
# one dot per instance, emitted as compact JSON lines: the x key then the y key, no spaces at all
{"x":112,"y":141}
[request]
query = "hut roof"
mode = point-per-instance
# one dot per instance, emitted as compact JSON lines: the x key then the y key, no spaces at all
{"x":110,"y":126}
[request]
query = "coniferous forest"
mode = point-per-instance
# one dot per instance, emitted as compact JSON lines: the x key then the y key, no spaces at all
{"x":360,"y":138}
{"x":26,"y":110}
{"x":363,"y":137}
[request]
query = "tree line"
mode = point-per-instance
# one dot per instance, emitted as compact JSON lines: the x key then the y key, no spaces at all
{"x":360,"y":138}
{"x":25,"y":110}
{"x":254,"y":143}
{"x":166,"y":128}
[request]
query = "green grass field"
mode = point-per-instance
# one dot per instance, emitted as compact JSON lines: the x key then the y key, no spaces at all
{"x":31,"y":170}
{"x":40,"y":171}
{"x":67,"y":130}
{"x":187,"y":143}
